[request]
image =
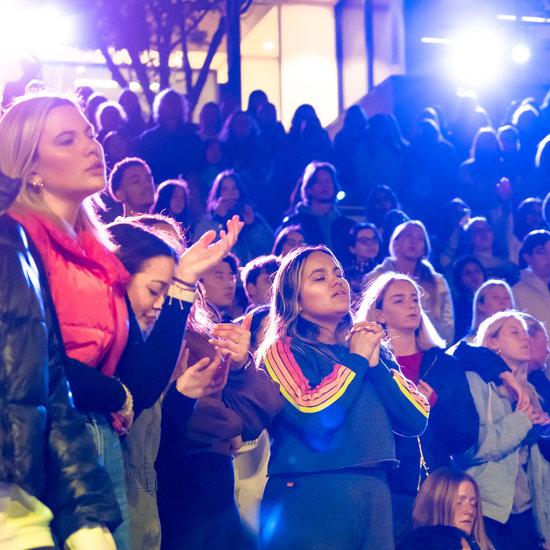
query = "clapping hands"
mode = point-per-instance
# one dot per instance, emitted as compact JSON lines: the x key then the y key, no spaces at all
{"x":206,"y":253}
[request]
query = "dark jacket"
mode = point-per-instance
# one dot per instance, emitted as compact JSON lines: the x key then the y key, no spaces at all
{"x":453,"y":426}
{"x":45,"y":447}
{"x":312,"y":227}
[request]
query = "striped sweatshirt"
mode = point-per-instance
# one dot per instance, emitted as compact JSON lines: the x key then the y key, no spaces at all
{"x":338,"y":413}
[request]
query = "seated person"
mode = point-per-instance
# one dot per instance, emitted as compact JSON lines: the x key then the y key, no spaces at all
{"x":364,"y":245}
{"x":289,"y":238}
{"x":220,"y":285}
{"x":257,"y":278}
{"x":131,"y":184}
{"x":451,"y":497}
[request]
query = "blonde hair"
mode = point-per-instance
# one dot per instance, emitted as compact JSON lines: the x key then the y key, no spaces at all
{"x":424,"y":271}
{"x":479,"y":298}
{"x":21,"y":127}
{"x":490,"y":328}
{"x":427,"y":336}
{"x":435,"y":503}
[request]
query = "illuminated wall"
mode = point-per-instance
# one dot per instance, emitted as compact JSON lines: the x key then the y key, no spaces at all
{"x":354,"y":52}
{"x":260,"y":62}
{"x":389,"y":39}
{"x":308,"y":60}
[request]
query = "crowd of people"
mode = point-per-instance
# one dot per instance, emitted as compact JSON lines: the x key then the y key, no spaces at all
{"x":226,"y":335}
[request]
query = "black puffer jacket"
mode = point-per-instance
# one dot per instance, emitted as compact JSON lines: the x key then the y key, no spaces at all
{"x":45,"y":447}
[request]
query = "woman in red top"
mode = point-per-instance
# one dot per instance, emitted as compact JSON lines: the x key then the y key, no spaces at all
{"x":393,"y":300}
{"x":48,"y":143}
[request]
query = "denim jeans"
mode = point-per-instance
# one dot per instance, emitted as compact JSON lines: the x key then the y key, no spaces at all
{"x":110,"y":457}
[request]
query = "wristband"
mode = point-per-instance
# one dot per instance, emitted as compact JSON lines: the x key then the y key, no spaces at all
{"x":191,"y":286}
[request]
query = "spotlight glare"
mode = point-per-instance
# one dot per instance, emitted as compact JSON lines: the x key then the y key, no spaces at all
{"x":35,"y":31}
{"x":521,"y":53}
{"x":341,"y":195}
{"x":476,"y":58}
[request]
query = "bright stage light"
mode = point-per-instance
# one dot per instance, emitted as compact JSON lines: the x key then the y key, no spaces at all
{"x":341,"y":195}
{"x":521,"y":53}
{"x":34,"y":31}
{"x":476,"y":58}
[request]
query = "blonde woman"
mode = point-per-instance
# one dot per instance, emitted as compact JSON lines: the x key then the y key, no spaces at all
{"x":451,"y":497}
{"x":393,"y":300}
{"x":506,"y":462}
{"x":409,"y":249}
{"x":492,"y":296}
{"x":48,"y":143}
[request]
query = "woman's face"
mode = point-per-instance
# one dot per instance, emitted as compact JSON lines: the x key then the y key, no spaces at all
{"x":465,"y":507}
{"x":177,"y":201}
{"x":229,"y":190}
{"x":70,"y":160}
{"x":147,"y":290}
{"x":366,"y":245}
{"x":324,"y":293}
{"x":512,"y":342}
{"x":496,"y":298}
{"x":472,"y":277}
{"x":534,"y":218}
{"x":293,"y":240}
{"x":410,"y":244}
{"x":538,"y":344}
{"x":400,"y":307}
{"x":220,"y":284}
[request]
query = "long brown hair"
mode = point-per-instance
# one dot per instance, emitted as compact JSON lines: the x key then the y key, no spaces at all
{"x":434,"y":504}
{"x":284,"y":315}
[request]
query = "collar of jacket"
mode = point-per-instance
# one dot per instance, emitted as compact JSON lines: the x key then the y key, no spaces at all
{"x":87,"y":250}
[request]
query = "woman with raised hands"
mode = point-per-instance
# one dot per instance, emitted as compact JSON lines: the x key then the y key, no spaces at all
{"x":160,"y":297}
{"x":48,"y":143}
{"x":343,"y":396}
{"x":506,"y":462}
{"x":393,"y":301}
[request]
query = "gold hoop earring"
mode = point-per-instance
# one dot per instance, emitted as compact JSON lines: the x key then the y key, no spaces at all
{"x":35,"y":184}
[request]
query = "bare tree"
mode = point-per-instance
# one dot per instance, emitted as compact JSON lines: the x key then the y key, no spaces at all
{"x":150,"y":31}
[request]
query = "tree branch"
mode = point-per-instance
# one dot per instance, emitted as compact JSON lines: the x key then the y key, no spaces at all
{"x":195,"y":92}
{"x":118,"y":77}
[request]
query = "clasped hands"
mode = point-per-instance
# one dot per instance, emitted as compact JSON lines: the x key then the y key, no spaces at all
{"x":365,"y":339}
